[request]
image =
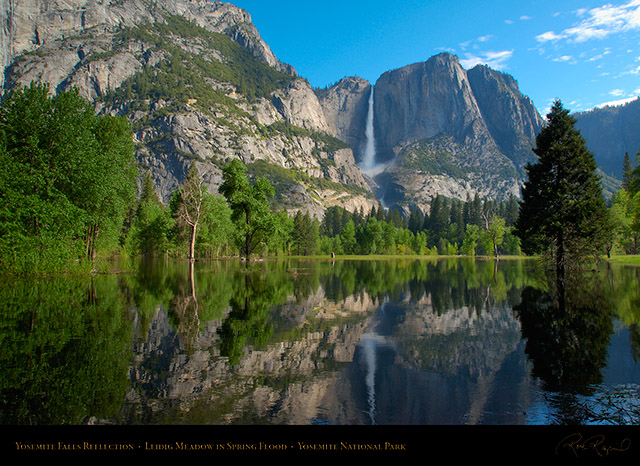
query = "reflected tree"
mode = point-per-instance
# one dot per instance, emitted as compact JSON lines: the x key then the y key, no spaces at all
{"x":255,"y":294}
{"x":65,"y":348}
{"x":184,"y":307}
{"x":567,"y":336}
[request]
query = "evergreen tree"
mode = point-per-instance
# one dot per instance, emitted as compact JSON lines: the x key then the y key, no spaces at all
{"x":472,"y":211}
{"x":634,"y":177}
{"x":562,"y":211}
{"x":305,"y":234}
{"x":510,"y":214}
{"x":148,"y":193}
{"x":438,"y":219}
{"x":416,"y":221}
{"x":627,"y":172}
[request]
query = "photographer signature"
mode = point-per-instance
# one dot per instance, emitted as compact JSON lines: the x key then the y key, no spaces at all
{"x":597,"y":444}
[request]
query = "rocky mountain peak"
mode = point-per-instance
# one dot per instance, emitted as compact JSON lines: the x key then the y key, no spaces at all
{"x":28,"y":24}
{"x":424,"y":100}
{"x":199,"y":85}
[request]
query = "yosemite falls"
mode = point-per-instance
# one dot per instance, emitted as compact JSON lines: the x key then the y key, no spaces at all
{"x":369,"y":157}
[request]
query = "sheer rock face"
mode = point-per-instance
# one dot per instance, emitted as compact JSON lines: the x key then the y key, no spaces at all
{"x":78,"y":44}
{"x":425,"y":100}
{"x":345,"y":107}
{"x":441,"y":129}
{"x":299,"y":105}
{"x":610,"y":132}
{"x":497,"y":95}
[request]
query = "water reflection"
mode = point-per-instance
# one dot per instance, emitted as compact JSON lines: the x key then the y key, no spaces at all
{"x":567,"y":333}
{"x":313,"y":342}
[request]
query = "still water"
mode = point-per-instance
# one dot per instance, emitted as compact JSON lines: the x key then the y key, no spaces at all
{"x":385,"y":342}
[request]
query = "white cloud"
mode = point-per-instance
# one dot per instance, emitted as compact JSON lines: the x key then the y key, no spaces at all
{"x":494,"y":59}
{"x":598,"y":23}
{"x":600,"y":56}
{"x":583,"y":34}
{"x":565,"y":59}
{"x":635,"y":70}
{"x":616,"y":92}
{"x":525,"y":18}
{"x":615,"y":103}
{"x":549,"y":36}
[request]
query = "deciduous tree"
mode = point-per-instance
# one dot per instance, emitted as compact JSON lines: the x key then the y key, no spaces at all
{"x":249,"y":205}
{"x":67,"y":177}
{"x":187,"y":204}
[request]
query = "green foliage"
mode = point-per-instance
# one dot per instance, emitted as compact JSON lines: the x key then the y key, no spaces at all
{"x":67,"y":178}
{"x":470,"y":240}
{"x":249,"y":204}
{"x":215,"y":231}
{"x":304,"y":234}
{"x":151,"y":232}
{"x":563,"y":211}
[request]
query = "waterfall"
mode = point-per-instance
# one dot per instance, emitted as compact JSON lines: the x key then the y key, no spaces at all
{"x":369,"y":159}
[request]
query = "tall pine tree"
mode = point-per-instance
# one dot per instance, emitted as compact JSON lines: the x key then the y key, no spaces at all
{"x":627,"y":172}
{"x":562,"y":211}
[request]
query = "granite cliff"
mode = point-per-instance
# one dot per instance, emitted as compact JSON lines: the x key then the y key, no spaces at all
{"x":610,"y":132}
{"x":441,"y":129}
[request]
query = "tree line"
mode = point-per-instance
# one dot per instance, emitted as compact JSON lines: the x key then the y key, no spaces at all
{"x":241,"y":221}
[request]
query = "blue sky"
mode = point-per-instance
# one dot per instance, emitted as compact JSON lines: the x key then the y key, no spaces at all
{"x":586,"y":53}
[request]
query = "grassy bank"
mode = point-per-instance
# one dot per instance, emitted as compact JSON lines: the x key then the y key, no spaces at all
{"x":625,"y":260}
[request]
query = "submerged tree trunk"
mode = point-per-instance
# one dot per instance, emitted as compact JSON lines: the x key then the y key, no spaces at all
{"x":192,"y":243}
{"x":91,"y":242}
{"x":94,"y":245}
